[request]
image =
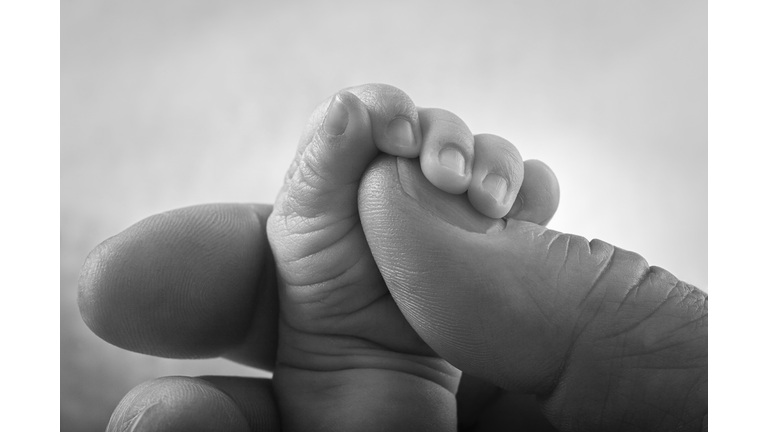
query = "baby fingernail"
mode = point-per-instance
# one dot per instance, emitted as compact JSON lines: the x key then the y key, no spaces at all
{"x":400,"y":132}
{"x":496,"y":185}
{"x":337,"y":117}
{"x":452,"y":159}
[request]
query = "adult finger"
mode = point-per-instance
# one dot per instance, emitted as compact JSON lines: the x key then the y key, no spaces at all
{"x":603,"y":338}
{"x":226,"y":404}
{"x":189,"y":283}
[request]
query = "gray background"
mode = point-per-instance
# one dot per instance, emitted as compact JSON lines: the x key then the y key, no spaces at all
{"x":174,"y":103}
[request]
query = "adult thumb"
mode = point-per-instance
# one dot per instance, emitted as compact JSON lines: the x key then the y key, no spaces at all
{"x":605,"y":340}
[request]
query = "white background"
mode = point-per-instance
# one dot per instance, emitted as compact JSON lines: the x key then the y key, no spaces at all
{"x":178,"y":103}
{"x":170,"y":104}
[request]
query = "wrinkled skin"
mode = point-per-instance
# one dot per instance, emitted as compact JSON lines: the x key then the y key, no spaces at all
{"x":378,"y":309}
{"x":605,"y":341}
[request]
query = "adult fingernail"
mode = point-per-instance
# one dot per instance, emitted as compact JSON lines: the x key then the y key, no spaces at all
{"x":337,"y":117}
{"x":496,"y":185}
{"x":400,"y":132}
{"x":452,"y":159}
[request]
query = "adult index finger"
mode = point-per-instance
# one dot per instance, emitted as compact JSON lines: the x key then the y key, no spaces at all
{"x":196,"y":282}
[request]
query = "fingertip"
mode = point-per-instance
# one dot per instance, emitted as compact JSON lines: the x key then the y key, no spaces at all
{"x":447,"y":152}
{"x":400,"y":138}
{"x":496,"y":175}
{"x":86,"y":282}
{"x":336,"y":117}
{"x":177,"y":404}
{"x":539,"y":195}
{"x":340,"y":118}
{"x":181,"y":284}
{"x":394,"y":119}
{"x":339,"y":148}
{"x":100,"y":289}
{"x":346,"y":119}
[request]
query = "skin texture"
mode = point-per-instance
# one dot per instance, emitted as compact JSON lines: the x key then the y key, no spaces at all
{"x":598,"y":335}
{"x":347,"y":359}
{"x":158,"y":287}
{"x":196,"y":282}
{"x":515,"y":306}
{"x":344,"y":346}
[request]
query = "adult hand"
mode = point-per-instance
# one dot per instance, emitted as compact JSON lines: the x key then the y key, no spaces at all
{"x":199,"y":282}
{"x":604,"y":340}
{"x":529,"y":311}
